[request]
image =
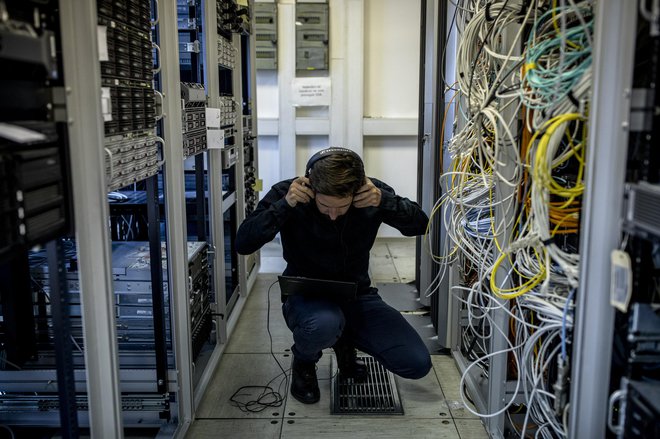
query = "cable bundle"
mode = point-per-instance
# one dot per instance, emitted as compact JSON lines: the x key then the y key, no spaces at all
{"x":511,"y":203}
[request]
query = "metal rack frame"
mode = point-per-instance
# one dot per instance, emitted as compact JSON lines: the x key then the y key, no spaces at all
{"x":250,"y":277}
{"x":90,"y":213}
{"x":177,"y":248}
{"x":429,"y":145}
{"x":225,"y":321}
{"x":614,"y":42}
{"x":491,"y":394}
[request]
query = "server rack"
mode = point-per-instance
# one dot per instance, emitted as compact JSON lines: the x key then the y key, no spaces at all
{"x":35,"y":197}
{"x":144,"y":375}
{"x":602,"y":353}
{"x":248,"y":154}
{"x":491,"y":368}
{"x":231,"y":92}
{"x":430,"y":161}
{"x":127,"y":110}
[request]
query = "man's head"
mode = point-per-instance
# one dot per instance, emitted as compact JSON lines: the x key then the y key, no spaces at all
{"x":335,"y":175}
{"x":334,"y":171}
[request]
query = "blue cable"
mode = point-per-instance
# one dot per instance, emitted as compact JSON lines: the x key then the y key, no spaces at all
{"x":554,"y":84}
{"x":569,"y":299}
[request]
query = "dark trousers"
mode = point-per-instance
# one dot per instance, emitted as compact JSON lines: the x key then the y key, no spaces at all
{"x":368,"y":323}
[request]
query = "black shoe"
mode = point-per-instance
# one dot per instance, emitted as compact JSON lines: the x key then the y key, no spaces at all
{"x":304,"y":385}
{"x":349,"y":365}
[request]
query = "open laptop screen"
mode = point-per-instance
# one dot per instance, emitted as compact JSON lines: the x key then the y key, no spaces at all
{"x":327,"y":289}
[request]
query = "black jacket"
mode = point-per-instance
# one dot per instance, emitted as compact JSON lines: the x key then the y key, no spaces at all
{"x":315,"y":246}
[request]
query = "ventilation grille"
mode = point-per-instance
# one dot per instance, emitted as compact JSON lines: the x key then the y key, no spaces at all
{"x":644,"y":207}
{"x":374,"y":395}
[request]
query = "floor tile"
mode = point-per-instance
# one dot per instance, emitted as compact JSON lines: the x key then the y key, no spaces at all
{"x":424,"y":328}
{"x":383,"y":270}
{"x":258,"y":299}
{"x":235,"y":371}
{"x":402,"y":297}
{"x":272,"y":249}
{"x":271,"y":260}
{"x":450,"y":379}
{"x":235,"y":429}
{"x":265,"y":279}
{"x":422,"y":398}
{"x":251,"y":332}
{"x":380,"y":249}
{"x":322,"y":408}
{"x":470,"y":429}
{"x":427,"y":408}
{"x":405,"y":268}
{"x":272,"y":264}
{"x":342,"y":427}
{"x":401,"y":247}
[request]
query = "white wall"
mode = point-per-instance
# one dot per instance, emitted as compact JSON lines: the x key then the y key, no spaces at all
{"x":267,"y":108}
{"x":394,"y":161}
{"x":307,"y":146}
{"x":267,"y":95}
{"x":390,"y":87}
{"x":269,"y":162}
{"x":391,"y":57}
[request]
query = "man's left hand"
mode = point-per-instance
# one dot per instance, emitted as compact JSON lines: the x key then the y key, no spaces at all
{"x":367,"y":196}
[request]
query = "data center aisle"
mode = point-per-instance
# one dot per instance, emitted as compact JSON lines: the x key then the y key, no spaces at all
{"x":432,"y":405}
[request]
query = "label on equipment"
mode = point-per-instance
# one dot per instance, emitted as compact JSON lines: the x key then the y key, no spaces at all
{"x":102,"y":38}
{"x":621,"y":280}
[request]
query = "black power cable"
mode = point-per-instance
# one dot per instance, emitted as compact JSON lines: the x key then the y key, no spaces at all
{"x":255,"y":399}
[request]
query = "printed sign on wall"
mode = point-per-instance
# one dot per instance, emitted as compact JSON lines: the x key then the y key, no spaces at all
{"x":309,"y":92}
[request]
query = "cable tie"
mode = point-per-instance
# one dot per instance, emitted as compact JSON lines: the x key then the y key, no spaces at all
{"x":547,"y":242}
{"x":571,"y":97}
{"x":488,"y":16}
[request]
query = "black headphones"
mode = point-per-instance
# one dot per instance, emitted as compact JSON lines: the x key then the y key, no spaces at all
{"x":326,"y":153}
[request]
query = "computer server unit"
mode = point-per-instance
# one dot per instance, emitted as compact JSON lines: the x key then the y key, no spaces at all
{"x":35,"y":191}
{"x":134,"y":302}
{"x":34,"y":188}
{"x":129,"y":107}
{"x":232,"y":18}
{"x":193,"y":123}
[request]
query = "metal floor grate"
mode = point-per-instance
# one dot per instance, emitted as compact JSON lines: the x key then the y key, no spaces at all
{"x":375,"y":395}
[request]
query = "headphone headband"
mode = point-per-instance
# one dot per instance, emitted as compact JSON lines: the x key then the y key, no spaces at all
{"x":326,"y":153}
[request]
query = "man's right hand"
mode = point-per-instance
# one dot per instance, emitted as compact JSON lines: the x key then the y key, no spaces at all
{"x":299,"y":192}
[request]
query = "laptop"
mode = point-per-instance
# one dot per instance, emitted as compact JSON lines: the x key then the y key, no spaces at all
{"x":321,"y":288}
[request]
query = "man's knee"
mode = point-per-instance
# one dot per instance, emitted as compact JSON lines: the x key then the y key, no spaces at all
{"x":324,"y":326}
{"x":417,"y":368}
{"x":414,"y":364}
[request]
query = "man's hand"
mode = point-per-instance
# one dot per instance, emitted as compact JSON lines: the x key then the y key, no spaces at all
{"x":368,"y":195}
{"x":299,"y":192}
